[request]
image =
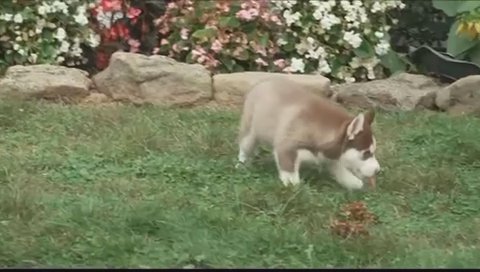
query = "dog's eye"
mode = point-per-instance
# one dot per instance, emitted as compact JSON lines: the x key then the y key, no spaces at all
{"x":367,"y":154}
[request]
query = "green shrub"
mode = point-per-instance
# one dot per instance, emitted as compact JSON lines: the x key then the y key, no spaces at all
{"x":48,"y":31}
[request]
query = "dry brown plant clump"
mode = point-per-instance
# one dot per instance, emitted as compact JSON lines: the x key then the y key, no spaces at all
{"x":356,"y":218}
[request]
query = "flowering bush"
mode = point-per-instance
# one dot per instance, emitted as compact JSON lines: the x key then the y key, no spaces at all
{"x":344,"y":40}
{"x":44,"y":31}
{"x":125,"y":25}
{"x":223,"y":35}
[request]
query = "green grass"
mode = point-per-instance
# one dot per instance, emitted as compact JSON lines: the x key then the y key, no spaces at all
{"x":150,"y":187}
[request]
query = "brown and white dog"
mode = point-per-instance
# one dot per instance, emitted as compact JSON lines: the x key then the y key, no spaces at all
{"x":303,"y":127}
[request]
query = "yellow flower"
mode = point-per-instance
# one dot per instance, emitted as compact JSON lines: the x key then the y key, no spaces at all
{"x":471,"y":29}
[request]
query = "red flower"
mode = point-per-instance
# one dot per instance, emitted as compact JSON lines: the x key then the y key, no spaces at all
{"x":133,"y":13}
{"x":111,"y":5}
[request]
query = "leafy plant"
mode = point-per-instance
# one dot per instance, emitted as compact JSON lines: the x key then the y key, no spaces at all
{"x":463,"y":42}
{"x":343,"y":40}
{"x":45,"y":31}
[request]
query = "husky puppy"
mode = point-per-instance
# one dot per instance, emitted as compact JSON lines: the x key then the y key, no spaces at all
{"x":301,"y":126}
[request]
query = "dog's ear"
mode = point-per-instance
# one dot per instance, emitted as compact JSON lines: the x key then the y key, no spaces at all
{"x":355,"y":126}
{"x":370,"y":116}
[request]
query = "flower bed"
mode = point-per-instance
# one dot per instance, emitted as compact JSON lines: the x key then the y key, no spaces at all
{"x":343,"y":40}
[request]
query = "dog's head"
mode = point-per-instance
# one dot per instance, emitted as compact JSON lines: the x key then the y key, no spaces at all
{"x":359,"y":146}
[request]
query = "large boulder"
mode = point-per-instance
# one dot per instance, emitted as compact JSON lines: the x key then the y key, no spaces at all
{"x":460,"y":97}
{"x":44,"y":81}
{"x":230,"y":89}
{"x":399,"y":92}
{"x":157,"y":80}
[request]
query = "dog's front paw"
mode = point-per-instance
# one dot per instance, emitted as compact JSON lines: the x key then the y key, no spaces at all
{"x":288,"y":178}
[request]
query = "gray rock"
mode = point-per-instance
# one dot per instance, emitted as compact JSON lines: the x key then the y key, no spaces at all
{"x":44,"y":81}
{"x":157,"y":80}
{"x":230,"y":89}
{"x":400,"y":92}
{"x":460,"y":97}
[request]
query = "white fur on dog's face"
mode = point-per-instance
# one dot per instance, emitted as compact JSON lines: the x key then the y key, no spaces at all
{"x":361,"y":162}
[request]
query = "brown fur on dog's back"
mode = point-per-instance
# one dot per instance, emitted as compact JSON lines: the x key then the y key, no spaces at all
{"x":280,"y":112}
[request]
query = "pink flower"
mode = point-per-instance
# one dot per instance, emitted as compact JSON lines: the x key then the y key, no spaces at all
{"x":172,"y":5}
{"x":216,"y":46}
{"x":198,"y":52}
{"x":134,"y":45}
{"x":260,"y":61}
{"x":223,"y":6}
{"x":156,"y":50}
{"x":176,"y":48}
{"x":280,"y":63}
{"x":164,"y":42}
{"x":237,"y":51}
{"x":201,"y":59}
{"x":133,"y":12}
{"x":253,"y":12}
{"x":244,"y":15}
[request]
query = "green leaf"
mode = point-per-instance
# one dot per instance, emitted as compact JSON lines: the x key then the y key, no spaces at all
{"x":3,"y":28}
{"x":289,"y":47}
{"x":228,"y":62}
{"x":365,"y":50}
{"x":229,"y":21}
{"x":393,"y":62}
{"x":459,"y":45}
{"x":474,"y":54}
{"x":450,"y":7}
{"x":9,"y":58}
{"x":468,"y":6}
{"x":263,"y":40}
{"x":204,"y":33}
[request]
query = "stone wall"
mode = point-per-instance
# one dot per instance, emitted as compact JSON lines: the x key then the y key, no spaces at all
{"x":159,"y":80}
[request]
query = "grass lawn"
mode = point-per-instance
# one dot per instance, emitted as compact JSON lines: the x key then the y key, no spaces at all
{"x":124,"y":186}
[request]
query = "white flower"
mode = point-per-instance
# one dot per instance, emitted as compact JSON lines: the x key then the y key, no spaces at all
{"x":324,"y":67}
{"x":64,"y":46}
{"x":93,"y":40}
{"x":378,"y":7}
{"x":76,"y":50}
{"x":82,"y":9}
{"x":104,"y":18}
{"x":60,"y":59}
{"x":329,"y":20}
{"x":352,"y":38}
{"x":379,"y":34}
{"x":291,"y":18}
{"x":60,"y":6}
{"x":350,"y":79}
{"x":21,"y":51}
{"x":316,"y":54}
{"x":355,"y":62}
{"x":61,"y":34}
{"x":33,"y":58}
{"x":297,"y":65}
{"x":305,"y":45}
{"x":281,"y":41}
{"x":18,"y":18}
{"x":382,"y":48}
{"x":7,"y":17}
{"x":42,"y":10}
{"x":80,"y":19}
{"x":16,"y":47}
